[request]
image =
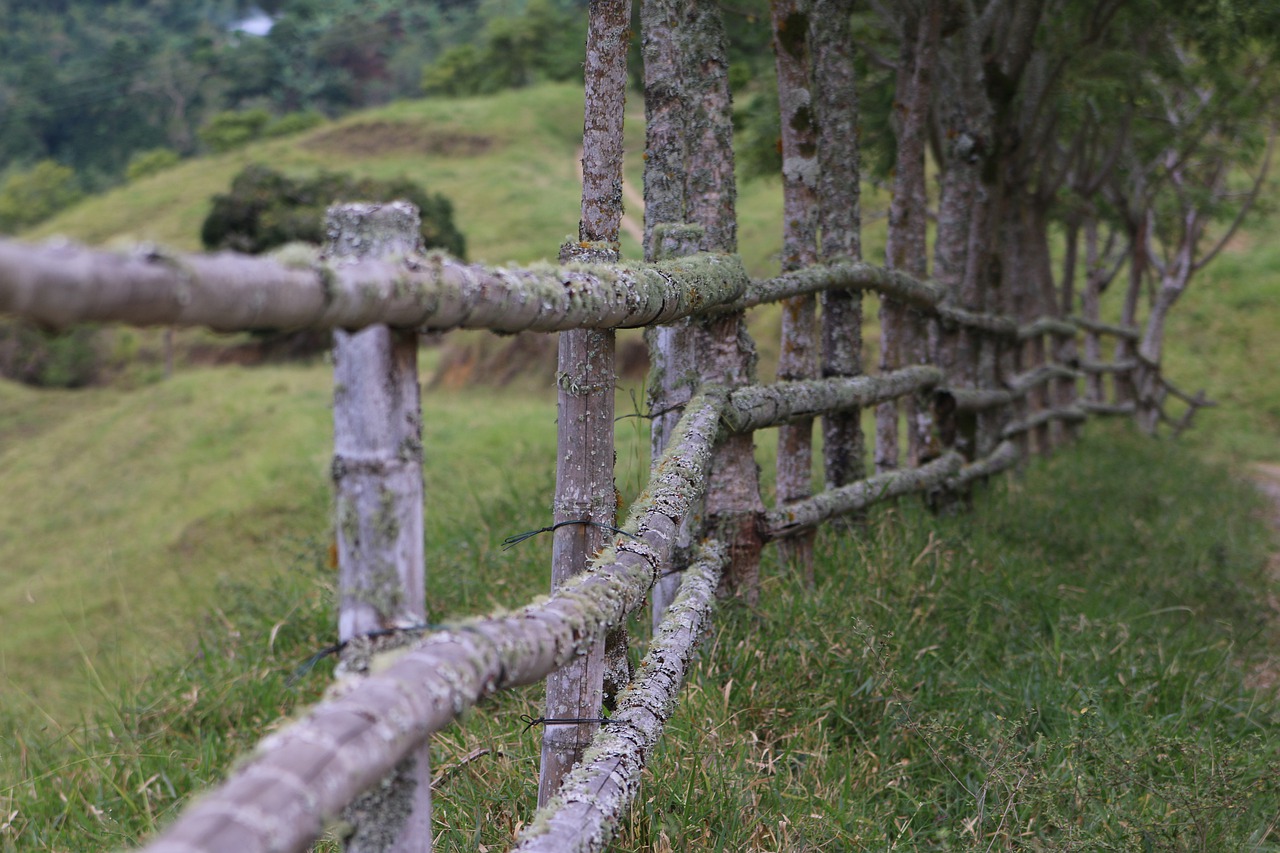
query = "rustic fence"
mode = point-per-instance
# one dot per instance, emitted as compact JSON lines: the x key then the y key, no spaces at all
{"x":973,"y":392}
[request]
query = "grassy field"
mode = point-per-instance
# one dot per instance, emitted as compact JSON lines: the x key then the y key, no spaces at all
{"x":1064,"y":668}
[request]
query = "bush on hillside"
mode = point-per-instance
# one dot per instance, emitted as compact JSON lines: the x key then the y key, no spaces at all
{"x":266,"y":209}
{"x":66,"y":360}
{"x":28,"y":196}
{"x":146,"y":163}
{"x":292,"y":123}
{"x":233,"y":128}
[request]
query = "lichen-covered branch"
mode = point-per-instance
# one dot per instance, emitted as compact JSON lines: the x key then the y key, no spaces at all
{"x":993,"y":324}
{"x":1045,"y":326}
{"x":279,"y":798}
{"x":1128,"y":332}
{"x":969,"y":400}
{"x":1095,"y":408}
{"x":858,"y":496}
{"x":763,"y":406}
{"x":1098,"y":367}
{"x":585,"y":813}
{"x":1072,"y":414}
{"x":1005,"y":456}
{"x":60,"y":286}
{"x":1036,"y":377}
{"x":850,"y":275}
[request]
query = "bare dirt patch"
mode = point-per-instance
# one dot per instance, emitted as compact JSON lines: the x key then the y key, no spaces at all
{"x":380,"y":138}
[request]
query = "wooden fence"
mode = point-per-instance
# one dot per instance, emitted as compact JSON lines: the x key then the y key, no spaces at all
{"x":974,"y":393}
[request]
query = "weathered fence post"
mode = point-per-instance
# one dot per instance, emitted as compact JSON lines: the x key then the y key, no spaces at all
{"x":585,"y":496}
{"x":377,"y":475}
{"x":734,"y":509}
{"x":835,"y":111}
{"x":902,"y":330}
{"x":797,"y":359}
{"x":673,"y":375}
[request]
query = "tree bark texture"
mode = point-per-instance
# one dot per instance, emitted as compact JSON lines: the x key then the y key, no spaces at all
{"x":862,"y":494}
{"x":728,"y":354}
{"x":673,"y":375}
{"x":60,"y":286}
{"x":902,"y":334}
{"x":797,"y":359}
{"x":378,"y":494}
{"x":585,"y":378}
{"x":586,"y":812}
{"x":280,"y":797}
{"x":762,"y":406}
{"x":835,"y":111}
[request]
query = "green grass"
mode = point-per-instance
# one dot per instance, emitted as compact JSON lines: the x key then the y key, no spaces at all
{"x":1063,"y":668}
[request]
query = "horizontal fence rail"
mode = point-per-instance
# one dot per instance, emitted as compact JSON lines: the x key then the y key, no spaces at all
{"x":61,"y":285}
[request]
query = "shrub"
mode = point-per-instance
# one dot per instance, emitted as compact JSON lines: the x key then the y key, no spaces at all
{"x":294,"y":123}
{"x":31,"y":195}
{"x":66,"y":360}
{"x":232,"y":128}
{"x":266,"y":209}
{"x":146,"y":163}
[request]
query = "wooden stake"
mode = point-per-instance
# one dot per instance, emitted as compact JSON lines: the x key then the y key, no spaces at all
{"x":586,"y":379}
{"x":377,"y":473}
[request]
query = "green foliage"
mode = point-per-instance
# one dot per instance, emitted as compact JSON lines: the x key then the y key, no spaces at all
{"x":32,"y":195}
{"x":266,"y":209}
{"x":232,"y":129}
{"x":542,"y":43}
{"x":287,"y":125}
{"x":71,"y":359}
{"x":147,"y":163}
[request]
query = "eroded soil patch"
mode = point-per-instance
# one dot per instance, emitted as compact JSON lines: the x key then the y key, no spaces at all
{"x":380,"y":138}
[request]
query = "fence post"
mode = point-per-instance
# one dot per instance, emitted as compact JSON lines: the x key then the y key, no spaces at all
{"x":378,"y":492}
{"x":733,"y":506}
{"x":585,"y":489}
{"x":797,"y":359}
{"x":835,"y":107}
{"x":673,"y":375}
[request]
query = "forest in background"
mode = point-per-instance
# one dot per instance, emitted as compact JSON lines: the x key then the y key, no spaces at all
{"x":93,"y":92}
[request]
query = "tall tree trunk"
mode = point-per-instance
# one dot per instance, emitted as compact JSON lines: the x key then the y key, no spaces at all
{"x":800,"y":165}
{"x":584,"y":472}
{"x":835,"y":109}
